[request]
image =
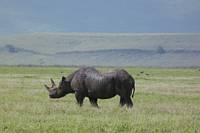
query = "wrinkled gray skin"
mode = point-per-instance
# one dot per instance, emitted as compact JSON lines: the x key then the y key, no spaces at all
{"x":88,"y":82}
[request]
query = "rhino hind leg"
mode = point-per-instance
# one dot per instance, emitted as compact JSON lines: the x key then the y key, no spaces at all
{"x":93,"y":102}
{"x":129,"y":102}
{"x":122,"y":102}
{"x":79,"y":98}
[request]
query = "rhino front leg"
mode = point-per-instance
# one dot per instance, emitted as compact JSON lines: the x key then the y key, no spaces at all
{"x":79,"y":98}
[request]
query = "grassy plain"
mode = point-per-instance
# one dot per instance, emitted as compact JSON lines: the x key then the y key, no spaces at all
{"x":166,"y":100}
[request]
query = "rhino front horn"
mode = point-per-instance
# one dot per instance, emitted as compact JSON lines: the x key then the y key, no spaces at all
{"x":46,"y":87}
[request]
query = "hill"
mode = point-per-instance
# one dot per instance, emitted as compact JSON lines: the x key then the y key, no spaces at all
{"x":102,"y":49}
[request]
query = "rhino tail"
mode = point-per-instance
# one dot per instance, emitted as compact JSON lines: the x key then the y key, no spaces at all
{"x":133,"y":87}
{"x":133,"y":91}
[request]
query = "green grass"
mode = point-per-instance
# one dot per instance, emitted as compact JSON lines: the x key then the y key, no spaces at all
{"x":166,"y":100}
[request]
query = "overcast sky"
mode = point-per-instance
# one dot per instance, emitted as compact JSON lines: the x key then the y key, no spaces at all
{"x":22,"y":16}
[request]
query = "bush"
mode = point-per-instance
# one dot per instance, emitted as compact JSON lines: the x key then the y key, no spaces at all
{"x":160,"y":50}
{"x":11,"y":48}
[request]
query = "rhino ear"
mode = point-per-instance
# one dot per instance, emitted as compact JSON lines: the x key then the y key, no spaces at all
{"x":63,"y":78}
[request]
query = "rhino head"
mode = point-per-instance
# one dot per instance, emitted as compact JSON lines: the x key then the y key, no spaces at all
{"x":60,"y":91}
